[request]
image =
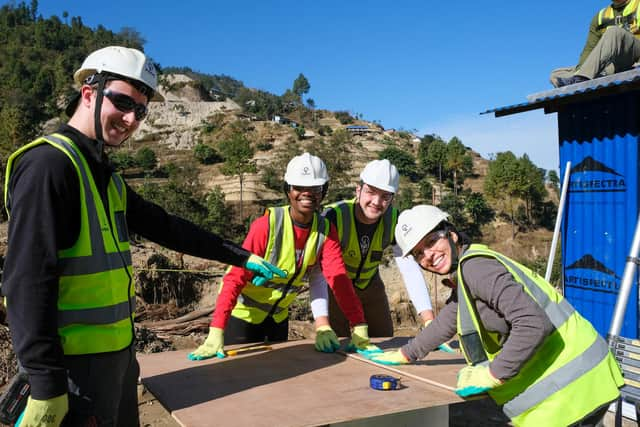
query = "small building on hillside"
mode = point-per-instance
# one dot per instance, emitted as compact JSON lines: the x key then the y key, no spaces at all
{"x":284,"y":121}
{"x":358,"y":129}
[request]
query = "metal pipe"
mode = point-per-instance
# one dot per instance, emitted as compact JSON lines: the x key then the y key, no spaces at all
{"x":625,"y":286}
{"x":556,"y":231}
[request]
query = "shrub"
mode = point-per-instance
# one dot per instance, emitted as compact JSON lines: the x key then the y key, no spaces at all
{"x":146,"y":159}
{"x":206,"y":154}
{"x":344,"y":117}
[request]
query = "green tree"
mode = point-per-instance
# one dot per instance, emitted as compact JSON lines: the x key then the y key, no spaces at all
{"x":237,"y":153}
{"x":501,"y":184}
{"x":300,"y":131}
{"x":436,"y":158}
{"x":132,"y":37}
{"x":401,"y":159}
{"x":301,"y":86}
{"x":146,"y":159}
{"x":121,"y":160}
{"x":532,"y":189}
{"x":515,"y":184}
{"x":405,"y":198}
{"x":177,"y":199}
{"x":311,"y":103}
{"x":478,"y":208}
{"x":343,"y":117}
{"x":458,"y":162}
{"x":219,"y":215}
{"x":290,"y":101}
{"x":426,"y":190}
{"x":423,"y":150}
{"x":454,"y":206}
{"x":554,"y":179}
{"x":205,"y":154}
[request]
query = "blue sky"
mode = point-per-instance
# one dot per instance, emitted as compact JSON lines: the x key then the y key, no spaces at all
{"x":423,"y":66}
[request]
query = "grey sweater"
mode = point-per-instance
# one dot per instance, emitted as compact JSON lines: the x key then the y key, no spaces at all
{"x":503,"y":306}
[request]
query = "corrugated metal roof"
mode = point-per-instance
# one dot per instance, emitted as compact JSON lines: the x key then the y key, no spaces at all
{"x":550,"y":100}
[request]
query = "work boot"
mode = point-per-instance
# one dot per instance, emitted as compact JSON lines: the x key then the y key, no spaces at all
{"x":566,"y":81}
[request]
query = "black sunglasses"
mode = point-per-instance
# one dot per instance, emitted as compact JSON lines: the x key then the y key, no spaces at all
{"x":125,"y":103}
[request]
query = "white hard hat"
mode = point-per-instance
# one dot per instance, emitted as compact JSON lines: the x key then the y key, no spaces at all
{"x":381,"y":174}
{"x":306,"y":170}
{"x":123,"y":61}
{"x":415,"y":223}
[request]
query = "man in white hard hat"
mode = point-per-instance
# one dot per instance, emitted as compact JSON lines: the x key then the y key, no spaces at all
{"x":365,"y":227}
{"x":524,"y":344}
{"x":299,"y":241}
{"x":68,"y":272}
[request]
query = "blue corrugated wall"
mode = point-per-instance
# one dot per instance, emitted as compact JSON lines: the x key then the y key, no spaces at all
{"x":600,"y":138}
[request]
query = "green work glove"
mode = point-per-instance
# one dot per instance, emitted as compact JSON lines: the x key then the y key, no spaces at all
{"x":213,"y":346}
{"x":475,"y":380}
{"x":360,"y":341}
{"x":326,"y":339}
{"x":262,"y":270}
{"x":442,"y":347}
{"x":46,"y":413}
{"x":395,"y":357}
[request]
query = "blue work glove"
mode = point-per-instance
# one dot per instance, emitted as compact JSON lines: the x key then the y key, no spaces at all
{"x":326,"y":339}
{"x":446,"y":348}
{"x":45,"y":413}
{"x":475,"y":380}
{"x":360,"y":341}
{"x":442,"y":347}
{"x":395,"y":357}
{"x":213,"y":346}
{"x":262,"y":270}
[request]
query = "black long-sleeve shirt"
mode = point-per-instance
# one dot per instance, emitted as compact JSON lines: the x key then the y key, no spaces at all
{"x":45,"y":218}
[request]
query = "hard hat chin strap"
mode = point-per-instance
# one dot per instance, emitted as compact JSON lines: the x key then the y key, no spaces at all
{"x":97,"y":122}
{"x":454,"y":251}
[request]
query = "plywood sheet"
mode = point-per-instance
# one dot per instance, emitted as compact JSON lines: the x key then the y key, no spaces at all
{"x":291,"y":385}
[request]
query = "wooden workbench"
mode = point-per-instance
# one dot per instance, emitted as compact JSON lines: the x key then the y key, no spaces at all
{"x":294,"y":385}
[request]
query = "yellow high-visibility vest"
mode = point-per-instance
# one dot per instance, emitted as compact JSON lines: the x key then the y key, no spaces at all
{"x":361,"y":270}
{"x":571,"y":373}
{"x":96,"y":298}
{"x":628,"y":19}
{"x":273,"y":298}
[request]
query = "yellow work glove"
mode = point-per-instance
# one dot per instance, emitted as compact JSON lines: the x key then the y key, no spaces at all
{"x":444,"y":346}
{"x":262,"y":270}
{"x":475,"y":380}
{"x":326,"y":339}
{"x":213,"y":346}
{"x":360,"y":341}
{"x":44,"y":413}
{"x":395,"y":357}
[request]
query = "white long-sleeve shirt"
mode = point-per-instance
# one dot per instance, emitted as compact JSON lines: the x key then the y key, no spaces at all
{"x":412,"y":276}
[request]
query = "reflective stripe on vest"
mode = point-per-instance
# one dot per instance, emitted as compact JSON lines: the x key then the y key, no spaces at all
{"x":96,"y":299}
{"x":542,"y":389}
{"x":273,"y":298}
{"x":574,"y":352}
{"x":361,"y":271}
{"x":628,"y":19}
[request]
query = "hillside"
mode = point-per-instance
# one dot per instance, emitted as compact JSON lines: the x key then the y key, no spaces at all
{"x":174,"y":127}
